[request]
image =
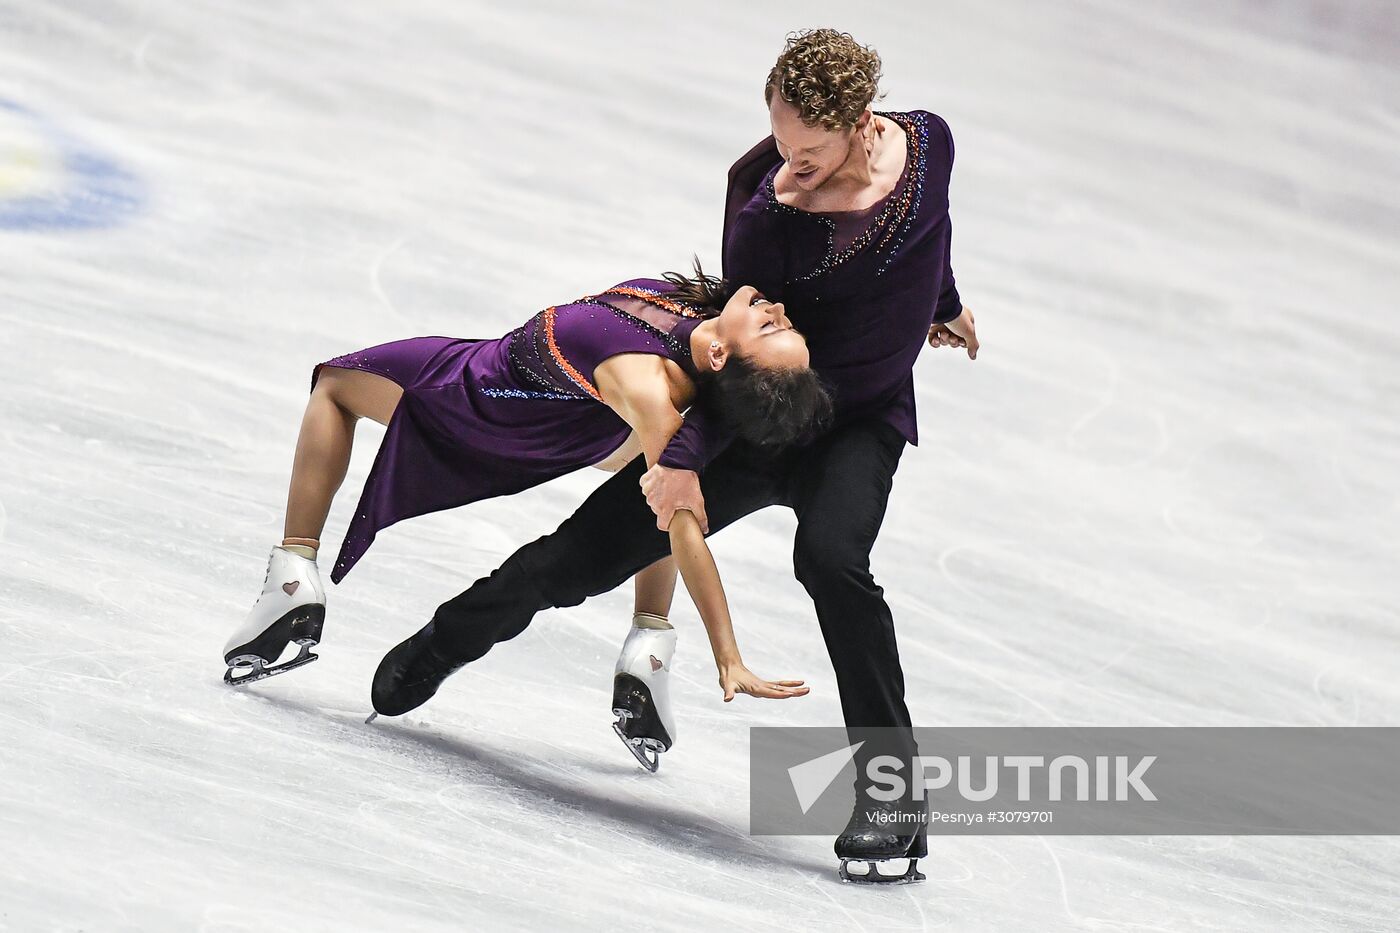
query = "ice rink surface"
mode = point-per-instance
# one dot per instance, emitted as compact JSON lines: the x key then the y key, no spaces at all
{"x":1159,"y":497}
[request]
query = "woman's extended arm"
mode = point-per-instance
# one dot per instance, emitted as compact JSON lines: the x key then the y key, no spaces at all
{"x":644,"y":403}
{"x":701,"y":576}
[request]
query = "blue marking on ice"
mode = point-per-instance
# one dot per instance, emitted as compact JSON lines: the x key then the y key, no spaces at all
{"x":96,"y":191}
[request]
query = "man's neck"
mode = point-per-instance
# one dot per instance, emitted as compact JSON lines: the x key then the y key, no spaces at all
{"x":856,"y":173}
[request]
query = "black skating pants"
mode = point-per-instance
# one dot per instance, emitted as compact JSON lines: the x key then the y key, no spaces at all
{"x":837,"y":486}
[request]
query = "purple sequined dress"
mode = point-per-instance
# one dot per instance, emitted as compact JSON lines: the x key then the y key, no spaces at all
{"x":483,"y":418}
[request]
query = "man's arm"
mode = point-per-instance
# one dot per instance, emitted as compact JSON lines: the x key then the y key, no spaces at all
{"x":700,"y":439}
{"x":634,"y":385}
{"x":673,"y":483}
{"x":953,"y":324}
{"x":949,"y":302}
{"x":745,"y":175}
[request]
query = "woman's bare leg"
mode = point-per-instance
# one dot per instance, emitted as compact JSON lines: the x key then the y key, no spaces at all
{"x":655,"y":586}
{"x":341,"y":398}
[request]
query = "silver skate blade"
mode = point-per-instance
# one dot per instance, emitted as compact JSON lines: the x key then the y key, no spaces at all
{"x":873,"y":875}
{"x":372,"y":717}
{"x":260,"y":671}
{"x":638,"y":747}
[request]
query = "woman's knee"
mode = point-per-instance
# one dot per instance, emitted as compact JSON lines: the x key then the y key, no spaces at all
{"x":359,"y":394}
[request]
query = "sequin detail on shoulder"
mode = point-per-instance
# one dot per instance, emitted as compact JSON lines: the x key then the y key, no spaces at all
{"x":653,"y":297}
{"x":537,"y":359}
{"x":889,"y":228}
{"x":663,"y":328}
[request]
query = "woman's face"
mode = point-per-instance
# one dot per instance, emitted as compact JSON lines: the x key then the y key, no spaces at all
{"x":758,"y":329}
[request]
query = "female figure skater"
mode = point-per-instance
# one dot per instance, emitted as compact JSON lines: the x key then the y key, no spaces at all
{"x":590,"y":383}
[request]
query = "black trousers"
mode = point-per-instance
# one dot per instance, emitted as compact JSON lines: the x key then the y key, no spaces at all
{"x":838,"y":487}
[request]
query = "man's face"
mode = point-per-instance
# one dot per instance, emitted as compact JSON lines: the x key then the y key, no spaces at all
{"x":813,"y":154}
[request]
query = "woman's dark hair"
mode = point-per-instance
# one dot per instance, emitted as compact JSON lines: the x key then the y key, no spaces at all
{"x":699,"y":290}
{"x":769,"y":408}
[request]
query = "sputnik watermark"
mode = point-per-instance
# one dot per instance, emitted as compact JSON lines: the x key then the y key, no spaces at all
{"x":1151,"y":780}
{"x":1114,"y":778}
{"x":1120,"y":777}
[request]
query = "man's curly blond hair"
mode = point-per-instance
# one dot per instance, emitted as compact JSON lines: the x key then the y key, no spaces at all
{"x":828,"y":76}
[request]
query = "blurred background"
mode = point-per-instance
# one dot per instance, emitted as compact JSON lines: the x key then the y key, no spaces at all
{"x":1163,"y":494}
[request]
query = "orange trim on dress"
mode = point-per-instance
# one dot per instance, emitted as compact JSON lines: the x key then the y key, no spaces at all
{"x":664,"y":304}
{"x":626,"y":291}
{"x":564,"y":364}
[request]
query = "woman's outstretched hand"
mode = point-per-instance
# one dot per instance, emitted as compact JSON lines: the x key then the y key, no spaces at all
{"x":739,"y":679}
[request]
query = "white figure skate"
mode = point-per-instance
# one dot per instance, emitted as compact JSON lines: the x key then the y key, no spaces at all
{"x":642,"y":694}
{"x":292,"y":608}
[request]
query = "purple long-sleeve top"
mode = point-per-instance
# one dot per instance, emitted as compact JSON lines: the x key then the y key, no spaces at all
{"x":864,"y":286}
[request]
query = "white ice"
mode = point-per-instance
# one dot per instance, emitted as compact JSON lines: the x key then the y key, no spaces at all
{"x":1164,"y":494}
